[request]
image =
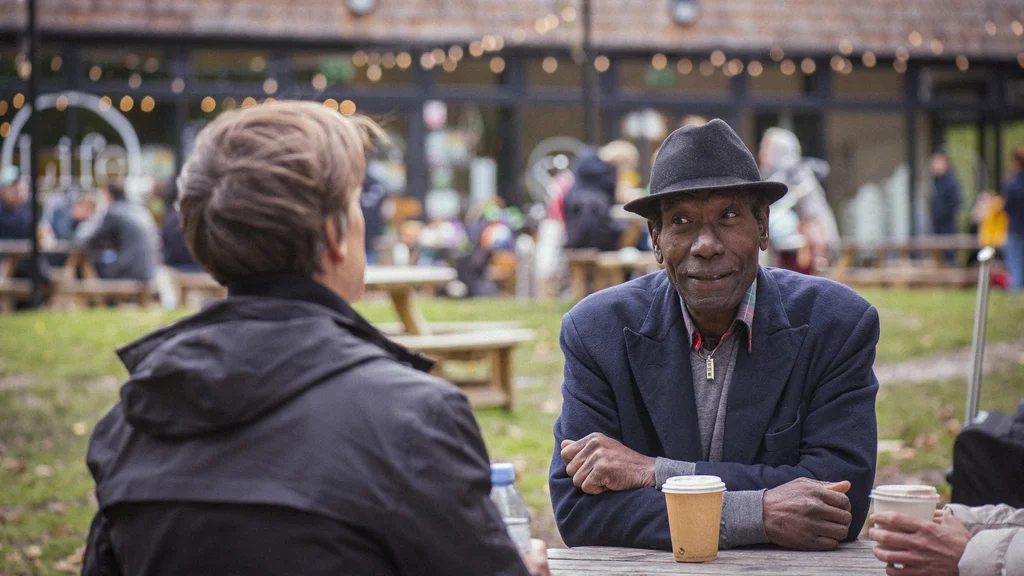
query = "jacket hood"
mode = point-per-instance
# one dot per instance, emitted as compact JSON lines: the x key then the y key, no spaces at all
{"x":240,"y":358}
{"x":592,"y":172}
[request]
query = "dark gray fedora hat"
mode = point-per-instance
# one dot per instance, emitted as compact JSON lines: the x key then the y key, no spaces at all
{"x":701,"y":159}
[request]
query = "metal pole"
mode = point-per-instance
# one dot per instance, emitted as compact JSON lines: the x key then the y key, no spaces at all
{"x":589,"y":109}
{"x":978,"y":343}
{"x":33,"y":153}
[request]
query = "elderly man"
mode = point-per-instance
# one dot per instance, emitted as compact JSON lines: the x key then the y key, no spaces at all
{"x":760,"y":376}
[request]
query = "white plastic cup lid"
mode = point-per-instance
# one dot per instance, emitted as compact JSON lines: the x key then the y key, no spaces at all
{"x":906,"y":492}
{"x":693,"y":485}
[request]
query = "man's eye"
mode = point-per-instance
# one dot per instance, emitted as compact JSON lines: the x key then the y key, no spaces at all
{"x":679,"y":221}
{"x":730,"y":215}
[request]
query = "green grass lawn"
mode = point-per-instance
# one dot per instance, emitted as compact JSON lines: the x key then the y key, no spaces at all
{"x":58,"y":376}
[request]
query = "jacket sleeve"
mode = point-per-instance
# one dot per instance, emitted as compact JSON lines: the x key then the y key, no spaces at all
{"x":444,"y":521}
{"x":839,"y":434}
{"x":636,"y":518}
{"x":998,"y":543}
{"x":99,"y":559}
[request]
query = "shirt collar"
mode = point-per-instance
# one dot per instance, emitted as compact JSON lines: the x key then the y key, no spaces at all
{"x":744,"y":317}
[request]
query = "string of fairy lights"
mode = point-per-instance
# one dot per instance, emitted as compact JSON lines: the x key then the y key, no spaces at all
{"x":489,"y":48}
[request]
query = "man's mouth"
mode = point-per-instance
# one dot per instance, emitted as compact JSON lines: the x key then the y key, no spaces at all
{"x":708,"y":277}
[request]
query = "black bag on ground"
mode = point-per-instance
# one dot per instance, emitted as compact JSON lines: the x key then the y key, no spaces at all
{"x":988,"y":460}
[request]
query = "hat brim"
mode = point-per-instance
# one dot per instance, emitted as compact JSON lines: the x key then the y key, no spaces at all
{"x":648,"y":205}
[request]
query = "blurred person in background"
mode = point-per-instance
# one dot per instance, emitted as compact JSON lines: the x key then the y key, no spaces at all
{"x":373,"y":201}
{"x":277,"y":431}
{"x":16,"y":220}
{"x":1013,"y":196}
{"x":625,"y":157}
{"x":991,"y":225}
{"x":588,"y":204}
{"x":128,"y":234}
{"x":15,"y":208}
{"x":969,"y":541}
{"x":803,"y":228}
{"x":946,"y":195}
{"x":172,"y":240}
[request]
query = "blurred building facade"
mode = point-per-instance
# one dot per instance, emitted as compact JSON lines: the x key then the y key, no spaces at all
{"x":480,"y":95}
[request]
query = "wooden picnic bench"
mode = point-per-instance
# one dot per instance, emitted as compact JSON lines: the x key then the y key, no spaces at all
{"x":854,"y":559}
{"x":449,"y":341}
{"x":472,"y":345}
{"x":590,"y":270}
{"x":201,"y":283}
{"x":893,"y":263}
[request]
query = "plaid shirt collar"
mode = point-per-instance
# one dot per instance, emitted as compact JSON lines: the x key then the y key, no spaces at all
{"x":744,"y":317}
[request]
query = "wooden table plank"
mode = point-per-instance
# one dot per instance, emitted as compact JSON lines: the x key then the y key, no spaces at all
{"x":854,"y":558}
{"x":401,"y":282}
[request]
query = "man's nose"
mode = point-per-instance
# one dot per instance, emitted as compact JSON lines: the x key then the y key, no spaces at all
{"x":707,"y":245}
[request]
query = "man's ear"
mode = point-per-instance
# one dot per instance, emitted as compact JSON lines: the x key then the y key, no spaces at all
{"x":336,"y":248}
{"x":762,"y":225}
{"x":654,"y":242}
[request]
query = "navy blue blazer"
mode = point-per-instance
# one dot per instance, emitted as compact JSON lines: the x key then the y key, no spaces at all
{"x":801,"y":403}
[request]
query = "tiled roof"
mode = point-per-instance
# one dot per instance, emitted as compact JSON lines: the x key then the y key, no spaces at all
{"x":881,"y":26}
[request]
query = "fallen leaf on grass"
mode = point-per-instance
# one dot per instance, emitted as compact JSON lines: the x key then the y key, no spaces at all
{"x":33,"y":551}
{"x":56,"y":506}
{"x":15,"y":557}
{"x":11,"y":466}
{"x":926,"y":440}
{"x":72,"y":563}
{"x":953,"y":426}
{"x":80,"y":428}
{"x":44,"y":471}
{"x":946,"y":412}
{"x":905,"y":454}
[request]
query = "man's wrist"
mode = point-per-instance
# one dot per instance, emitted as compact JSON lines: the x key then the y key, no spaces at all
{"x":665,"y":469}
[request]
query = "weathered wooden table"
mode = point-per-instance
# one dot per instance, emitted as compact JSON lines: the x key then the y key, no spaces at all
{"x":850,"y":559}
{"x":401,"y":283}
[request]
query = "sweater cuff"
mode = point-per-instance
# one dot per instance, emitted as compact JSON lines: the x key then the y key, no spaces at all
{"x":742,"y":519}
{"x":665,"y":469}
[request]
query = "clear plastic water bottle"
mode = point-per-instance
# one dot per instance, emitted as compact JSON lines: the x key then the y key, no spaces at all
{"x":511,"y":505}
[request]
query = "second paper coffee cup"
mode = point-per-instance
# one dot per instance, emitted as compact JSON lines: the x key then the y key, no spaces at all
{"x":694,"y":515}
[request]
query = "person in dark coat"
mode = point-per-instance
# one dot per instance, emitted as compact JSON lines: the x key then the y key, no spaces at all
{"x":1013,"y":195}
{"x":129,"y":232}
{"x":946,"y":196}
{"x":587,"y":206}
{"x":277,"y":432}
{"x":372,"y":201}
{"x":15,"y":208}
{"x":716,"y":366}
{"x":172,"y":241}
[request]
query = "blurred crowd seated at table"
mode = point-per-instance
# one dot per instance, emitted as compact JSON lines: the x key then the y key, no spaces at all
{"x":130,"y":239}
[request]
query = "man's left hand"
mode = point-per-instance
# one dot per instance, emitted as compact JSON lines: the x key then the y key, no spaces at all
{"x":921,"y":547}
{"x":598,"y":463}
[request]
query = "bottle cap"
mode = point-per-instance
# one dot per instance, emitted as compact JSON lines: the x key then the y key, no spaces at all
{"x":503,"y":473}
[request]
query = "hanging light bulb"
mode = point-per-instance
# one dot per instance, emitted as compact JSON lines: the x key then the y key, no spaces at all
{"x":869,"y":59}
{"x":684,"y":66}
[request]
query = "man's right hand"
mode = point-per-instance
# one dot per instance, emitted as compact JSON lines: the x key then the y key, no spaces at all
{"x":807,"y":514}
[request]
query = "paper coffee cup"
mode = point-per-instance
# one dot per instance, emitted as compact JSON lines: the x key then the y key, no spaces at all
{"x":911,"y":499}
{"x":694,"y":515}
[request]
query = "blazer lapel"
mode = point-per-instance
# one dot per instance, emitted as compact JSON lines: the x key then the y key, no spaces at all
{"x":760,"y":376}
{"x":660,"y":362}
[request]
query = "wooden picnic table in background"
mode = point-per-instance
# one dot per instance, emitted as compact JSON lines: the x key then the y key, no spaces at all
{"x":401,"y":284}
{"x":450,"y":342}
{"x":903,"y":271}
{"x":590,"y":270}
{"x":854,"y":559}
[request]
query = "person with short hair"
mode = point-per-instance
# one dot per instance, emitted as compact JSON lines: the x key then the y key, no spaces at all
{"x":277,"y":431}
{"x":716,"y":366}
{"x":128,"y":233}
{"x":946,"y":195}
